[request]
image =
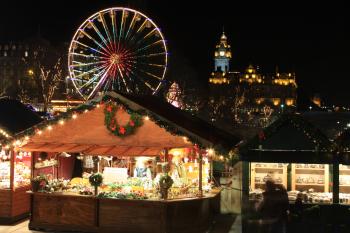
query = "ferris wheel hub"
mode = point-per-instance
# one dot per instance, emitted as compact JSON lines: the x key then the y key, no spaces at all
{"x":115,"y":59}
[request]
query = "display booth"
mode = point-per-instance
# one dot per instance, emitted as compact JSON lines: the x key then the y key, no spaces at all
{"x":291,"y":152}
{"x":137,"y":164}
{"x":15,"y":167}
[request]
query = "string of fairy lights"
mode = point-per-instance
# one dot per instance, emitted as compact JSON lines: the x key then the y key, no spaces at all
{"x":23,"y":138}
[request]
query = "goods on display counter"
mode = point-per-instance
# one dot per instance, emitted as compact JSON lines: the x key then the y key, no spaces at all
{"x":141,"y":183}
{"x":311,"y":181}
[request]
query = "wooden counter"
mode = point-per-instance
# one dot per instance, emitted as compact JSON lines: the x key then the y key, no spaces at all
{"x":57,"y":212}
{"x":14,"y":204}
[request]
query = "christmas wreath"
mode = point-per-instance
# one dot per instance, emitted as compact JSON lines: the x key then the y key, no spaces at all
{"x":96,"y":179}
{"x":120,"y":130}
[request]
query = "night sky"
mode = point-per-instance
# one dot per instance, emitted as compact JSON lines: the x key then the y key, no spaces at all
{"x":312,"y":40}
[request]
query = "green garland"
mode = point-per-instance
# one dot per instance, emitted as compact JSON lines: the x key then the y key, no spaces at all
{"x":168,"y":126}
{"x":112,"y":123}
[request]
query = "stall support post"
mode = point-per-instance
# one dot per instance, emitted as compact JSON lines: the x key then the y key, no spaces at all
{"x":200,"y":173}
{"x":166,"y":155}
{"x":12,"y":169}
{"x":336,"y":182}
{"x":245,"y":194}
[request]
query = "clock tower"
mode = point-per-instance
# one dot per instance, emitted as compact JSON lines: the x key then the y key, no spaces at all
{"x":222,"y":55}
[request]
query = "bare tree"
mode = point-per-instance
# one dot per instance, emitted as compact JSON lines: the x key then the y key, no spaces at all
{"x":238,"y":101}
{"x":267,"y":112}
{"x":45,"y":67}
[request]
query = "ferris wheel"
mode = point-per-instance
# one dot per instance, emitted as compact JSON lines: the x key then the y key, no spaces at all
{"x":117,"y":49}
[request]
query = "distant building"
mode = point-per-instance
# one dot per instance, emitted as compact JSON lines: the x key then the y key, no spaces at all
{"x":16,"y":76}
{"x":248,"y":91}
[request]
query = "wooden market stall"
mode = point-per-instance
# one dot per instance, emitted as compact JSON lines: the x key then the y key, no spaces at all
{"x":91,"y":130}
{"x":15,"y":168}
{"x":293,"y":152}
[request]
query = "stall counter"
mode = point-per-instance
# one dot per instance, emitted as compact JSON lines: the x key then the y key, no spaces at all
{"x":57,"y":212}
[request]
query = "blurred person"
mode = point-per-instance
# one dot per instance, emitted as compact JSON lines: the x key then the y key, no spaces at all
{"x":274,"y":208}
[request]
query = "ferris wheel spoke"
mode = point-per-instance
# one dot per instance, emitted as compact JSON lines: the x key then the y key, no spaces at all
{"x":153,"y":65}
{"x":152,"y":75}
{"x":143,"y":81}
{"x":100,"y":81}
{"x":85,"y":55}
{"x":79,"y":64}
{"x":154,"y":30}
{"x":151,"y":55}
{"x":92,"y":80}
{"x":114,"y":26}
{"x":142,"y":26}
{"x":121,"y":29}
{"x":131,"y":26}
{"x":89,"y":47}
{"x":95,"y":41}
{"x":82,"y":73}
{"x":123,"y":79}
{"x":106,"y":29}
{"x":98,"y":33}
{"x":150,"y":45}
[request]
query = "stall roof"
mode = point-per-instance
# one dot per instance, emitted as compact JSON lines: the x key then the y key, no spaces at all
{"x":291,"y":138}
{"x":330,"y":123}
{"x":16,"y":117}
{"x":165,"y":129}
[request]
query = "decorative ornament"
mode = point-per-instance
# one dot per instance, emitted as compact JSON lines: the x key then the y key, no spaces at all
{"x":112,"y":123}
{"x":96,"y":180}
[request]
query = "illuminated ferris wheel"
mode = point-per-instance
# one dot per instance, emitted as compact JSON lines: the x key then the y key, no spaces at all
{"x":117,"y":49}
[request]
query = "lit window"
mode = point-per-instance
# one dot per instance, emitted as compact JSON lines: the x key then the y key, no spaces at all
{"x":26,"y":53}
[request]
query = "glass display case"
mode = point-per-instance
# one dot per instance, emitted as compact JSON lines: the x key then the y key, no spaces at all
{"x":5,"y":171}
{"x":22,"y":169}
{"x":21,"y":164}
{"x":15,"y":180}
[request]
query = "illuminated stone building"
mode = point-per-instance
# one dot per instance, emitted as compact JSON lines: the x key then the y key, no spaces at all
{"x":249,"y":90}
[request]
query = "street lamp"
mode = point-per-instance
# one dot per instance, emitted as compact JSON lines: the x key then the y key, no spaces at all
{"x":282,"y":107}
{"x":30,"y":72}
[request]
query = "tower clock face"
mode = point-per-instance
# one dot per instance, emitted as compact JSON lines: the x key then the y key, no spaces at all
{"x":222,"y":53}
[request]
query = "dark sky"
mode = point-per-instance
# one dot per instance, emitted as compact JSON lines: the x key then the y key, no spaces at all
{"x":311,"y":40}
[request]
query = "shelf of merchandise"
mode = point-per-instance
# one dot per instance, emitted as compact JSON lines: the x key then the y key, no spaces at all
{"x":307,"y":172}
{"x":264,"y":169}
